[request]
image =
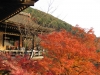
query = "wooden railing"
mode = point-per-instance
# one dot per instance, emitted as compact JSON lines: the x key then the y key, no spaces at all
{"x":32,"y":53}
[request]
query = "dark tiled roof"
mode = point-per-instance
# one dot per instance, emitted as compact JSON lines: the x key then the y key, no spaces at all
{"x":9,"y":8}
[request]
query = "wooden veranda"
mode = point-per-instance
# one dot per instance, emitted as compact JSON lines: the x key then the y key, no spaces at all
{"x":18,"y":29}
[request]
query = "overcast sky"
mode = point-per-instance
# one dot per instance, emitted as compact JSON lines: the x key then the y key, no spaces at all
{"x":85,"y":13}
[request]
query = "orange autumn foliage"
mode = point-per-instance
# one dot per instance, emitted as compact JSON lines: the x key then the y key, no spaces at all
{"x":97,"y":41}
{"x":70,"y":53}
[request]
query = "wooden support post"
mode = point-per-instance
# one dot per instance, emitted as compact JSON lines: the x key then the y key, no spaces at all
{"x":25,"y":46}
{"x":33,"y":42}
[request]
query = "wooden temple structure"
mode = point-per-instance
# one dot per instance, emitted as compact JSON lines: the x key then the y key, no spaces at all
{"x":17,"y":30}
{"x":8,"y":9}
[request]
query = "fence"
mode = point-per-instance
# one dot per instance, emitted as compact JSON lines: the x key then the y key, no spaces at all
{"x":32,"y":53}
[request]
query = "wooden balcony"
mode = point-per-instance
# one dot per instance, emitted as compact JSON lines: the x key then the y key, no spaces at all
{"x":34,"y":54}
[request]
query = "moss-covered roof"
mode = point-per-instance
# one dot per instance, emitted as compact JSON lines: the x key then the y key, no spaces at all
{"x":23,"y":20}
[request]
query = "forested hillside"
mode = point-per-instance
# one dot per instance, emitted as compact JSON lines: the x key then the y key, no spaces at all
{"x":47,"y":20}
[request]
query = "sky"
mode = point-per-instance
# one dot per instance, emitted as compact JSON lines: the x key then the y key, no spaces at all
{"x":85,"y":13}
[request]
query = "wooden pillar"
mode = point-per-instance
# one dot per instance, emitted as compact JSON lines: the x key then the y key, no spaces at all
{"x":33,"y":42}
{"x":21,"y":41}
{"x":25,"y":46}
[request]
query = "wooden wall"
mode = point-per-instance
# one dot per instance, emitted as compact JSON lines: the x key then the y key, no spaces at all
{"x":1,"y":41}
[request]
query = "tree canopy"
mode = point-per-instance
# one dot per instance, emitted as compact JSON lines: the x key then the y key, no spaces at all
{"x":47,"y":20}
{"x":70,"y":54}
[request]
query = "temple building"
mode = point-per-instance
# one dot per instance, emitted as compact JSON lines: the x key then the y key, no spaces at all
{"x":19,"y":32}
{"x":9,"y":33}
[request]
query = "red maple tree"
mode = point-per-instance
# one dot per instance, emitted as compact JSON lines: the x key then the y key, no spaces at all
{"x":66,"y":53}
{"x":70,"y":53}
{"x":19,"y":65}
